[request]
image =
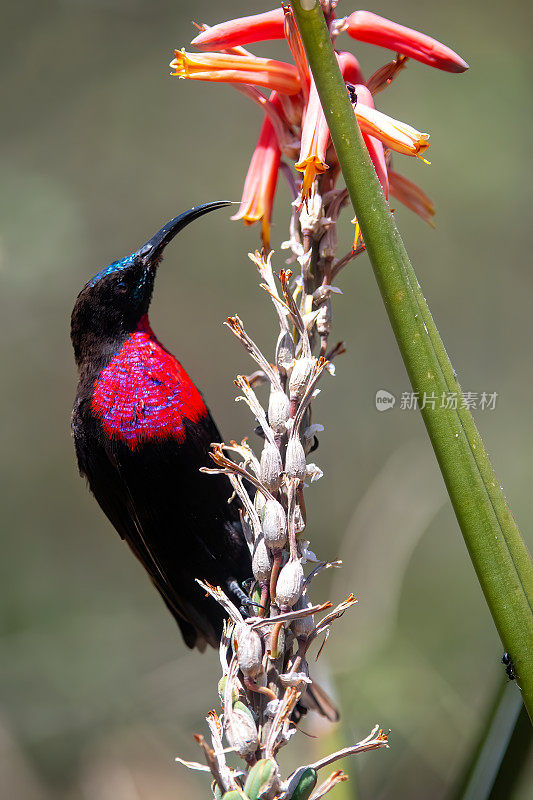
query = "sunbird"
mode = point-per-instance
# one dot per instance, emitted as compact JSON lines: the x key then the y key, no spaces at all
{"x":142,"y":431}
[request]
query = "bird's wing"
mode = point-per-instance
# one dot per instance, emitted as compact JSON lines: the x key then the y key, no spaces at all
{"x":109,"y":484}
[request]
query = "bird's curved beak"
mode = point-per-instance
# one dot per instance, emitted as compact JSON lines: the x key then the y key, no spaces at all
{"x":153,"y":249}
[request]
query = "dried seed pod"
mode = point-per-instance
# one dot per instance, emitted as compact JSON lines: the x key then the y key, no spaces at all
{"x":324,"y":318}
{"x":302,"y":627}
{"x":261,"y":561}
{"x":295,"y":463}
{"x":278,"y":411}
{"x":271,"y":467}
{"x":249,"y":649}
{"x":274,"y":523}
{"x":290,"y":584}
{"x":241,"y":732}
{"x":301,"y":372}
{"x":284,"y":351}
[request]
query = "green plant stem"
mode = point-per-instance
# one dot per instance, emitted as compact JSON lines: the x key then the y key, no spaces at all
{"x":499,"y":555}
{"x":500,"y":750}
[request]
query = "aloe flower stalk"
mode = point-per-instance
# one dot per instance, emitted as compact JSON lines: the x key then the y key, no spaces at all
{"x":265,"y":657}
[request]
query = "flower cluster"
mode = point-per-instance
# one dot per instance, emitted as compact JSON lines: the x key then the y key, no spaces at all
{"x":294,"y":125}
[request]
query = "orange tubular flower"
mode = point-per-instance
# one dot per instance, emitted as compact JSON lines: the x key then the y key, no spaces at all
{"x":245,"y":30}
{"x":260,"y":184}
{"x":394,"y":134}
{"x":275,"y":75}
{"x":367,"y":27}
{"x":315,"y":136}
{"x":373,"y":145}
{"x":412,"y":196}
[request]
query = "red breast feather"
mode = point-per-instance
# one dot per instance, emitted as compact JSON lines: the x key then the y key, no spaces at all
{"x":144,"y":393}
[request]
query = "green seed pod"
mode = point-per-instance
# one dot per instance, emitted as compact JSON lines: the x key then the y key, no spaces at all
{"x":262,"y":780}
{"x":233,"y":795}
{"x":305,"y":785}
{"x":222,"y":688}
{"x":217,"y":794}
{"x":256,"y":594}
{"x":239,"y":706}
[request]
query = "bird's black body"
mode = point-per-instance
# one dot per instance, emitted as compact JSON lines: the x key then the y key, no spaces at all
{"x":142,"y":432}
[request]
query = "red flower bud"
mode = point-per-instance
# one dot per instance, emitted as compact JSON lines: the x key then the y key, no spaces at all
{"x":367,"y":27}
{"x":244,"y":30}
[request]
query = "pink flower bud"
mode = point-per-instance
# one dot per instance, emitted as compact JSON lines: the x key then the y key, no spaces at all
{"x":373,"y":145}
{"x":261,"y":179}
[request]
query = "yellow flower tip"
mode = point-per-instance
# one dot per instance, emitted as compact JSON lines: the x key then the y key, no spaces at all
{"x":311,"y":167}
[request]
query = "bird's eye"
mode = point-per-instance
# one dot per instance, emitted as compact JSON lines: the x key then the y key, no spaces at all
{"x":122,"y":286}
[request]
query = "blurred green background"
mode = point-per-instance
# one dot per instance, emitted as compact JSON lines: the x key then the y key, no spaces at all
{"x":99,"y":147}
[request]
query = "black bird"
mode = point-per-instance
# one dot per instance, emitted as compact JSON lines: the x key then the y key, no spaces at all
{"x":142,"y":431}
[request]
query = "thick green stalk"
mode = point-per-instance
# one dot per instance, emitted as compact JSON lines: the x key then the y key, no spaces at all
{"x":499,"y":555}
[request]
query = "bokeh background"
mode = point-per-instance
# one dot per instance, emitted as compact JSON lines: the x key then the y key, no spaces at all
{"x":98,"y":148}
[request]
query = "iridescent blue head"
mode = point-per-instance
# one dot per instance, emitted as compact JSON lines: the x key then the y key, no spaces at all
{"x":111,"y":304}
